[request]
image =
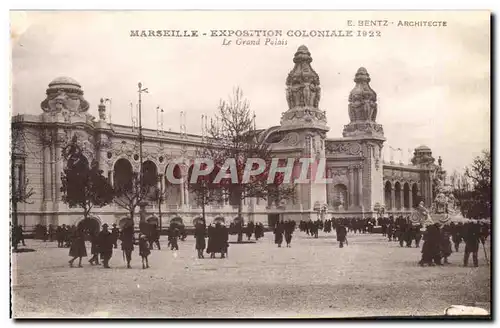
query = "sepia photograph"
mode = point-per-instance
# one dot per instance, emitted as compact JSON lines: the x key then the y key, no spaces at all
{"x":250,"y":164}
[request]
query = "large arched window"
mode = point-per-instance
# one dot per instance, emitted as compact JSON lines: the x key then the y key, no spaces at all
{"x":397,"y":191}
{"x":173,"y":189}
{"x":414,"y":195}
{"x":388,"y":195}
{"x":149,"y":178}
{"x":406,"y":195}
{"x":123,"y":175}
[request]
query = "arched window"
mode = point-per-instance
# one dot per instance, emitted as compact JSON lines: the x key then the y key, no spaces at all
{"x":340,"y":196}
{"x":397,"y":191}
{"x":388,"y":195}
{"x":123,"y":175}
{"x":406,"y":195}
{"x":414,"y":195}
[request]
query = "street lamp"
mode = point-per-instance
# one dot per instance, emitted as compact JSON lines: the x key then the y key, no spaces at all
{"x":142,"y":204}
{"x":141,"y":91}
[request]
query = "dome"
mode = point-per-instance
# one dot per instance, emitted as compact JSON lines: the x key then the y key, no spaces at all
{"x":64,"y":81}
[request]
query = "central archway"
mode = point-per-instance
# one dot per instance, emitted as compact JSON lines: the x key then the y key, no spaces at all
{"x":90,"y":225}
{"x":340,"y":196}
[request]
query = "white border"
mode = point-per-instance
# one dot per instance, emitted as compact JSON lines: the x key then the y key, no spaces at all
{"x":492,"y":5}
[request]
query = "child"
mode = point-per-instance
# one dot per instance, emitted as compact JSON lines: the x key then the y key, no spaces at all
{"x":144,"y":250}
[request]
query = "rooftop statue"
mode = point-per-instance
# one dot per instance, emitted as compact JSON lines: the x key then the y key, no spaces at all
{"x":64,"y":95}
{"x":302,"y":83}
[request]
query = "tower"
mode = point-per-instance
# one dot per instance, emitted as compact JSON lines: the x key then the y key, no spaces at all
{"x":306,"y":123}
{"x":364,"y":130}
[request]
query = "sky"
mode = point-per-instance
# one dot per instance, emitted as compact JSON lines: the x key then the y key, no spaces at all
{"x":433,"y":83}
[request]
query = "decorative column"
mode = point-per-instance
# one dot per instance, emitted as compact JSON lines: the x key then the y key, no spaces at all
{"x":351,"y":186}
{"x":401,"y":196}
{"x":410,"y":196}
{"x":53,"y":186}
{"x":111,"y":178}
{"x":58,"y":160}
{"x":186,"y":193}
{"x":47,"y":191}
{"x":393,"y":197}
{"x":360,"y":185}
{"x":181,"y":190}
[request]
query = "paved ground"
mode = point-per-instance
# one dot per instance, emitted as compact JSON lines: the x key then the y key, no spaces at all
{"x":313,"y":278}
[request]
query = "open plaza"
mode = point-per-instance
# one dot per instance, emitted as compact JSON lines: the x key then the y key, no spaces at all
{"x":314,"y":278}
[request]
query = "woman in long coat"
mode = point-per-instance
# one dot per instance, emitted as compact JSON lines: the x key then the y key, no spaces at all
{"x":278,"y":233}
{"x":127,"y":239}
{"x":199,"y":234}
{"x":77,"y":249}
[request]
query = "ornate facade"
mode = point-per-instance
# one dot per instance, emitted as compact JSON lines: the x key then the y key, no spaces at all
{"x":362,"y":182}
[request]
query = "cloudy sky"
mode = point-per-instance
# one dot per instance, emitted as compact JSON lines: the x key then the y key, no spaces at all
{"x":433,"y":84}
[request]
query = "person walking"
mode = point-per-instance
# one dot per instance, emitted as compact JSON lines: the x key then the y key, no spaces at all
{"x":77,"y":249}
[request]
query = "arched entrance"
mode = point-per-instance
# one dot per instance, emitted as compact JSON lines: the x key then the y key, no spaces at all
{"x":340,"y":196}
{"x":153,"y":220}
{"x":388,"y":195}
{"x":90,"y":225}
{"x":414,"y":195}
{"x":406,"y":195}
{"x":149,"y":178}
{"x":124,"y":221}
{"x":176,"y":221}
{"x":174,"y":190}
{"x":220,"y":219}
{"x":397,"y":191}
{"x":123,"y":175}
{"x":197,"y":220}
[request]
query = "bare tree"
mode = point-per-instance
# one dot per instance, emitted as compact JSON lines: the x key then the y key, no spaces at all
{"x":232,"y":134}
{"x":20,"y":189}
{"x":132,"y":194}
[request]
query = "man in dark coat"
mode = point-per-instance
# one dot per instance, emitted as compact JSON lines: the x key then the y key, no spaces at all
{"x":341,"y":234}
{"x":259,"y":231}
{"x":250,"y":229}
{"x":19,"y":235}
{"x":174,"y":236}
{"x":199,"y":235}
{"x":471,"y":238}
{"x":105,"y":240}
{"x":224,"y":240}
{"x":94,"y":248}
{"x":211,"y":240}
{"x":431,"y":254}
{"x":60,"y":236}
{"x":127,"y":242}
{"x":278,"y":233}
{"x":154,"y":237}
{"x":115,"y":232}
{"x":418,"y":235}
{"x":51,"y":233}
{"x":289,"y":228}
{"x":456,"y":235}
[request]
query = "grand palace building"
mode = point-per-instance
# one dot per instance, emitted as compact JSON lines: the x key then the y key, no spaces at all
{"x":364,"y":184}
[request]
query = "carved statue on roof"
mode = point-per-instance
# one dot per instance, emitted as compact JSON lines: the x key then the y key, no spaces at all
{"x":302,"y":83}
{"x":64,"y":95}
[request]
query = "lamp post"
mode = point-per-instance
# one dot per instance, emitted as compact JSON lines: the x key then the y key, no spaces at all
{"x":142,"y":203}
{"x":141,"y":91}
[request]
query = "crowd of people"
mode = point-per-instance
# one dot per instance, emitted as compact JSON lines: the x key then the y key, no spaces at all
{"x":438,"y":240}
